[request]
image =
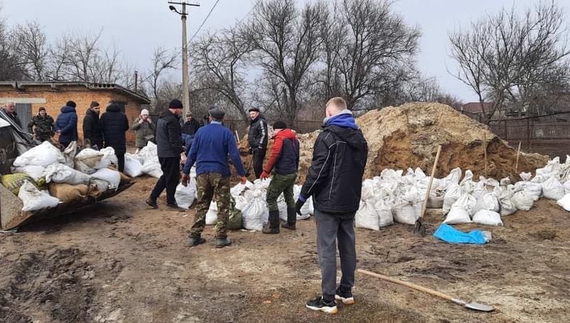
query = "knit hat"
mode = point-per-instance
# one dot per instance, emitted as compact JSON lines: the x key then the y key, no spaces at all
{"x":144,"y":112}
{"x":253,"y":109}
{"x":71,"y":104}
{"x":279,"y":125}
{"x":216,"y":113}
{"x":175,"y":104}
{"x":41,"y":109}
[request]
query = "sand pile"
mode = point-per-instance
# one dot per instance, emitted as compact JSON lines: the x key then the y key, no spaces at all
{"x":408,"y":136}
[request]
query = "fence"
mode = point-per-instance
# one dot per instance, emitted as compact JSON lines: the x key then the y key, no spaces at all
{"x":549,"y":135}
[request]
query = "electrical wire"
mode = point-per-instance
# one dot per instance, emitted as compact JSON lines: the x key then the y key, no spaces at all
{"x":203,"y":22}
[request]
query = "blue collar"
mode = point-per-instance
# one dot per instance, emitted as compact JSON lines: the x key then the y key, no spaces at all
{"x":215,"y":122}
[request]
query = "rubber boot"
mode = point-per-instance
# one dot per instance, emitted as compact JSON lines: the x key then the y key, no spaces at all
{"x":273,"y":226}
{"x":291,"y":219}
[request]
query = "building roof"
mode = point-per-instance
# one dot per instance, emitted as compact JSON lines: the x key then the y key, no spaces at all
{"x":22,"y":85}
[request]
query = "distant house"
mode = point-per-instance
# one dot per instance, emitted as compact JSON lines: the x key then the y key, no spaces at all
{"x":475,"y":107}
{"x":30,"y":96}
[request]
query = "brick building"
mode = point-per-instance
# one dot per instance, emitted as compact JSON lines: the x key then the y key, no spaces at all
{"x":30,"y":96}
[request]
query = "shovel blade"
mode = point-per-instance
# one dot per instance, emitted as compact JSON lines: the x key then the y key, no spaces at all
{"x":479,"y":307}
{"x":420,"y":228}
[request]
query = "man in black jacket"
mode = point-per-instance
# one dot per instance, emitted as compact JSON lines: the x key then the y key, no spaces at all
{"x":335,"y":181}
{"x":257,"y":138}
{"x":169,"y":147}
{"x":191,"y":125}
{"x":92,"y":128}
{"x":114,"y":124}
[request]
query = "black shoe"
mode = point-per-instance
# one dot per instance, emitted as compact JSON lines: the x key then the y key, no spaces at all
{"x":152,"y":203}
{"x":319,"y":304}
{"x":175,"y":207}
{"x":346,"y":297}
{"x":223,"y":242}
{"x":194,"y":241}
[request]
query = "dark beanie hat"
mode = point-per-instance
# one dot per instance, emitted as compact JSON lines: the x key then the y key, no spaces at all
{"x":42,"y":109}
{"x":175,"y":104}
{"x":216,"y":113}
{"x":71,"y":104}
{"x":253,"y":109}
{"x":279,"y":125}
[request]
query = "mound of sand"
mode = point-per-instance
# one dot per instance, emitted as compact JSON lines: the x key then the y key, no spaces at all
{"x":408,"y":136}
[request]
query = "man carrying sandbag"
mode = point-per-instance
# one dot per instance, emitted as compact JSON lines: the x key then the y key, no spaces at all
{"x":210,"y":149}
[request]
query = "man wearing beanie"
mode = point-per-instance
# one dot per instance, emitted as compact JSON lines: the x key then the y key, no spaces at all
{"x":284,"y":161}
{"x":92,"y":127}
{"x":169,"y":147}
{"x":41,"y":125}
{"x":210,"y":149}
{"x":144,"y":129}
{"x":66,"y":124}
{"x":257,"y":138}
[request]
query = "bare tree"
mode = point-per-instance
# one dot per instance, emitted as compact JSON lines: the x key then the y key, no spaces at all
{"x":10,"y":67}
{"x":219,"y":61}
{"x":33,"y":50}
{"x":162,"y":61}
{"x":512,"y":60}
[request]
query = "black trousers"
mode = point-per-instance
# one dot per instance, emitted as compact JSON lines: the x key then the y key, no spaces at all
{"x":258,"y":157}
{"x":121,"y":160}
{"x":169,"y":179}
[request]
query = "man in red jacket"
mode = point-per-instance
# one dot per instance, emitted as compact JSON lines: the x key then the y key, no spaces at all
{"x":284,"y":160}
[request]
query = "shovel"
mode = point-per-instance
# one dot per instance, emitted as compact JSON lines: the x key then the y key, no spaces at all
{"x":471,"y":306}
{"x":419,"y":228}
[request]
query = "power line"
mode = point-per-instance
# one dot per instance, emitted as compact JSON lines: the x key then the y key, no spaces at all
{"x":203,"y":22}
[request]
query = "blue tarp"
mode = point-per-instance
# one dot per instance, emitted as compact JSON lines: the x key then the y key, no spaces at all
{"x":449,"y":234}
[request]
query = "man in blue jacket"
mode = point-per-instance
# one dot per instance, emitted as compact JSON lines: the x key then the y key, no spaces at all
{"x":335,"y":182}
{"x":209,"y":151}
{"x":66,"y":124}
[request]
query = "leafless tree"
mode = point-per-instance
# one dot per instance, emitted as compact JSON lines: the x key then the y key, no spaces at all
{"x":512,"y":60}
{"x":10,"y":68}
{"x":163,"y":60}
{"x":33,"y":50}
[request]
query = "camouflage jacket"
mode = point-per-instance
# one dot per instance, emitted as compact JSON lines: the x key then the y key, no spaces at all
{"x":43,"y":125}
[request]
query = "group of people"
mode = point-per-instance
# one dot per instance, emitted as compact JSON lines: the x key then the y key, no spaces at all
{"x":334,"y":181}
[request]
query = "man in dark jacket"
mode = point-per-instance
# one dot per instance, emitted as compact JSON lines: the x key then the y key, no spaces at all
{"x":257,"y":138}
{"x":114,"y":124}
{"x":335,"y":181}
{"x":191,"y":126}
{"x":285,"y":157}
{"x":169,"y":147}
{"x":66,"y":124}
{"x":212,"y":145}
{"x":92,"y":127}
{"x":10,"y":110}
{"x":41,"y":125}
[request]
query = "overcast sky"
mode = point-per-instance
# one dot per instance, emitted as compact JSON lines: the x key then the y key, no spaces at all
{"x":136,"y":27}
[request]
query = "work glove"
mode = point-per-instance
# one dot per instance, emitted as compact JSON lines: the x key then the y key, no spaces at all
{"x":299,"y":204}
{"x":242,"y":180}
{"x":264,"y":175}
{"x":184,"y":180}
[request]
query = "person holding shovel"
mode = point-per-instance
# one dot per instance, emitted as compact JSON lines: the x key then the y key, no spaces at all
{"x":335,"y":182}
{"x":284,"y":161}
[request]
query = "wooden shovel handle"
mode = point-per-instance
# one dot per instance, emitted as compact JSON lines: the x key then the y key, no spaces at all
{"x":407,"y":284}
{"x":424,"y":206}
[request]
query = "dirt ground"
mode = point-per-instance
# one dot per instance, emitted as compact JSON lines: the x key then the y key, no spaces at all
{"x":119,"y":261}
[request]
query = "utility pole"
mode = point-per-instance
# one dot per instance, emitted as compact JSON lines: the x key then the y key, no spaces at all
{"x":185,"y":86}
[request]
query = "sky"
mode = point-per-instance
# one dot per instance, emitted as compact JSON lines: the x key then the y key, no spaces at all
{"x":137,"y":27}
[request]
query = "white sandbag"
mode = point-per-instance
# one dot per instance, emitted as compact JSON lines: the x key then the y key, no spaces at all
{"x":308,"y":208}
{"x":534,"y":190}
{"x":133,"y":166}
{"x":102,"y":186}
{"x":60,"y":173}
{"x":522,"y":200}
{"x":435,"y":199}
{"x":404,"y":213}
{"x":487,"y":201}
{"x":87,"y":159}
{"x":185,"y":195}
{"x":149,"y":153}
{"x":566,"y":187}
{"x":254,"y":214}
{"x":451,"y":195}
{"x":487,"y":217}
{"x":385,"y":216}
{"x":44,"y":155}
{"x":457,"y":215}
{"x":552,"y":189}
{"x":366,"y":216}
{"x":111,"y":176}
{"x":34,"y":171}
{"x":564,"y":202}
{"x":241,"y":202}
{"x":69,"y":153}
{"x":35,"y":199}
{"x":153,"y":169}
{"x":212,"y":214}
{"x":240,"y":188}
{"x":505,"y":195}
{"x":108,"y":158}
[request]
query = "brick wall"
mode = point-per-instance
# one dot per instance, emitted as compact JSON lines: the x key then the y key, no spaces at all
{"x":82,"y":96}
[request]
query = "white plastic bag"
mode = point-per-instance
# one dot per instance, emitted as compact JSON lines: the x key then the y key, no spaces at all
{"x":254,"y":214}
{"x":564,"y":202}
{"x":108,"y":158}
{"x":452,"y":193}
{"x":487,"y":217}
{"x":42,"y":155}
{"x":240,"y":188}
{"x":522,"y":200}
{"x":110,"y":176}
{"x":552,"y":189}
{"x":487,"y":201}
{"x":212,"y":215}
{"x":34,"y":171}
{"x":102,"y":185}
{"x":404,"y":213}
{"x":35,"y":199}
{"x":366,"y":216}
{"x":385,"y":217}
{"x":457,"y":215}
{"x":60,"y":173}
{"x":185,"y":195}
{"x":87,"y":159}
{"x":133,"y":166}
{"x":153,"y":169}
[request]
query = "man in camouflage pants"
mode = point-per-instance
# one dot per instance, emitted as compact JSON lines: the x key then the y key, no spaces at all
{"x":209,"y":151}
{"x":41,"y":125}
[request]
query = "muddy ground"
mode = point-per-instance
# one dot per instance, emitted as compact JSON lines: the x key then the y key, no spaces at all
{"x":119,"y":261}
